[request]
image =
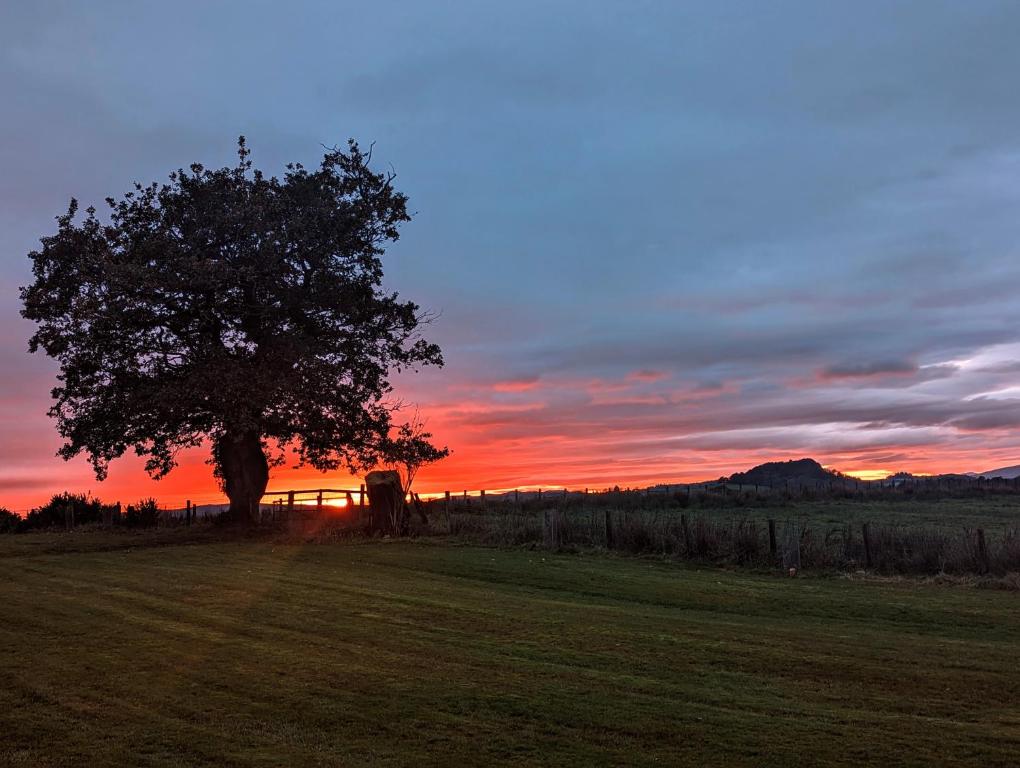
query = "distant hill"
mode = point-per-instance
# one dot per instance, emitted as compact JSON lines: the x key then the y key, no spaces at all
{"x":1007,"y":473}
{"x":796,"y":471}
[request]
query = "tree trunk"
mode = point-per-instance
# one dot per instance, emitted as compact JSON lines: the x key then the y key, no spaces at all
{"x":245,"y":474}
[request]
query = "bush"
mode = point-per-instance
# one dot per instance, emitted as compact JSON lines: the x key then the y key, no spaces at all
{"x":9,"y":522}
{"x":85,"y":510}
{"x":144,"y":514}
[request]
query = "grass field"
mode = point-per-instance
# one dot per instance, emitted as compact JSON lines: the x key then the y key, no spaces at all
{"x":403,"y":653}
{"x":992,"y":512}
{"x":899,"y":534}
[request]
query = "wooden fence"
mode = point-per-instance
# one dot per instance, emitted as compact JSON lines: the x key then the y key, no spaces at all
{"x":353,"y":502}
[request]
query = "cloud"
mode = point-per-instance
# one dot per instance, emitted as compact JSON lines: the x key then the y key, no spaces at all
{"x":23,"y":483}
{"x":865,"y":370}
{"x":516,"y":385}
{"x":647,"y":375}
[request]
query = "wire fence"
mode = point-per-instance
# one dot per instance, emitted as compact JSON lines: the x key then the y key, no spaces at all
{"x":276,"y":503}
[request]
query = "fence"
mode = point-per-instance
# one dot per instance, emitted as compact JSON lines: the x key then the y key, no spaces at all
{"x":844,"y":487}
{"x":352,"y":503}
{"x":674,"y":521}
{"x":289,"y":505}
{"x":766,"y":543}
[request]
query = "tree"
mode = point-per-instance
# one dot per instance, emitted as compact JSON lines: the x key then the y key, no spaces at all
{"x":143,"y":514}
{"x":231,"y":307}
{"x":405,"y":451}
{"x":84,"y":510}
{"x":9,"y":522}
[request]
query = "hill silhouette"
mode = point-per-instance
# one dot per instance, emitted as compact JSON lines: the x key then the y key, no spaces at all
{"x":796,"y":471}
{"x":1007,"y":473}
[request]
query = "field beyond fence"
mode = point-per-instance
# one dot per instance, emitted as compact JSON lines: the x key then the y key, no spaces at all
{"x":917,"y":526}
{"x":924,"y":528}
{"x":874,"y":536}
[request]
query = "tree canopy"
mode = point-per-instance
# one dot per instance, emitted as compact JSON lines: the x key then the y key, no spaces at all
{"x":231,"y":306}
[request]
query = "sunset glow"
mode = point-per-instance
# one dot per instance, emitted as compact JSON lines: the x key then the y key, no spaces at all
{"x":633,"y":430}
{"x":867,"y":474}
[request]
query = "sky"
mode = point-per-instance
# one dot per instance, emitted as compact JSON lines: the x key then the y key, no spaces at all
{"x":666,"y":241}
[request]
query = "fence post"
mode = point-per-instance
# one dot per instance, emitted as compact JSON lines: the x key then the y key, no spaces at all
{"x":982,"y":550}
{"x":290,"y":506}
{"x":482,"y":501}
{"x":517,"y":498}
{"x":187,"y":513}
{"x":447,"y":506}
{"x":687,"y":534}
{"x":609,"y":529}
{"x":865,"y":534}
{"x":318,"y":504}
{"x":772,"y":538}
{"x":791,"y":553}
{"x":420,"y":508}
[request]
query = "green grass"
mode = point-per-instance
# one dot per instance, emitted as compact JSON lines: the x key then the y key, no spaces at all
{"x":994,"y":513}
{"x":402,"y":653}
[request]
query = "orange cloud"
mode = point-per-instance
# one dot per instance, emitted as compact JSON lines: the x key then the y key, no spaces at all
{"x":516,"y":385}
{"x":647,"y":375}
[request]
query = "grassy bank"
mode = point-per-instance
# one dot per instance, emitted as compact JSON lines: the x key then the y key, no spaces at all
{"x":395,"y":653}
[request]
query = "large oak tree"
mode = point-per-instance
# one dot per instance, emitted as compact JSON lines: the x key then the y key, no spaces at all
{"x":231,"y":307}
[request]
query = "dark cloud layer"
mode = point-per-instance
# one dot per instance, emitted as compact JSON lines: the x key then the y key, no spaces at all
{"x":663,"y":237}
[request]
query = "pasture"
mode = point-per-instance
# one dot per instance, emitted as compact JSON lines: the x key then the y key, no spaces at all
{"x":173,"y":648}
{"x":995,"y":512}
{"x":891,"y":533}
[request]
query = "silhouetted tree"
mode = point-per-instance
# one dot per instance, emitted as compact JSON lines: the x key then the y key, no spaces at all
{"x":9,"y":522}
{"x":229,"y":306}
{"x":84,"y":508}
{"x":143,"y":514}
{"x":408,"y":448}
